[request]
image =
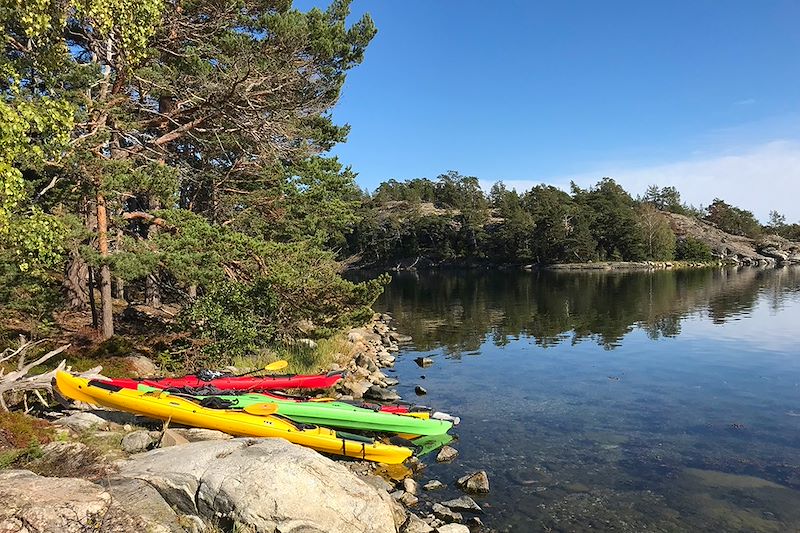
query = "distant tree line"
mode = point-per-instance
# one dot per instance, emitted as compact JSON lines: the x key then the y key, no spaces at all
{"x":451,"y":219}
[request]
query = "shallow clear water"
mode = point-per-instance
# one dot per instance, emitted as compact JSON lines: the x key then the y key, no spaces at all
{"x":665,"y":401}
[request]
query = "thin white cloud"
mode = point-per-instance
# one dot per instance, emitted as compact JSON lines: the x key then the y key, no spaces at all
{"x":746,"y":101}
{"x":763,"y":178}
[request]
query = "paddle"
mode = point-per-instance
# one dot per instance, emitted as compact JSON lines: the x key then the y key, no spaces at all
{"x":272,"y":367}
{"x":277,"y":365}
{"x":261,"y":409}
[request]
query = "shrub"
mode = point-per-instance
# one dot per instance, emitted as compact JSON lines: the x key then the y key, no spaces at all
{"x":691,"y":249}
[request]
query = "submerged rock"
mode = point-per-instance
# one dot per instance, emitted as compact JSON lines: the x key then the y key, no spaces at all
{"x":420,"y":391}
{"x":464,"y":503}
{"x":395,"y":473}
{"x":477,"y":482}
{"x":423,"y":362}
{"x":474,"y":521}
{"x":377,"y":482}
{"x":399,"y":338}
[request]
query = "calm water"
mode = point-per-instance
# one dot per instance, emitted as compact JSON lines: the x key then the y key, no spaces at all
{"x":664,"y":401}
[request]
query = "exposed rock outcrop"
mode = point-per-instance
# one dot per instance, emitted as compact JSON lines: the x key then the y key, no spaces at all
{"x":737,"y":249}
{"x":264,"y":484}
{"x":370,"y":347}
{"x":67,"y":505}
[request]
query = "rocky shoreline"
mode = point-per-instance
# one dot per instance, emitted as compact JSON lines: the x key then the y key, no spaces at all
{"x":111,"y":471}
{"x":634,"y":265}
{"x":726,"y":250}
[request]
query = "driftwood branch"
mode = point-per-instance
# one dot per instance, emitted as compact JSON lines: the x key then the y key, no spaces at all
{"x":18,"y":381}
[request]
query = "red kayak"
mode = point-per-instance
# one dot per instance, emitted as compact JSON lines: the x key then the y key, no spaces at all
{"x":239,"y":383}
{"x":198,"y":386}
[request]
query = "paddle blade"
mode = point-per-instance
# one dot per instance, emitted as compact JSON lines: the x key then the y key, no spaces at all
{"x":420,"y":415}
{"x":261,"y":409}
{"x":277,"y":365}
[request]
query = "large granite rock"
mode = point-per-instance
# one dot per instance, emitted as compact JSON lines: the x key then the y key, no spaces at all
{"x":266,"y":485}
{"x":32,"y":503}
{"x":140,"y":498}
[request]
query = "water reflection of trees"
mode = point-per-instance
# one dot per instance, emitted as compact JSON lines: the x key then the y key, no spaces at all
{"x":459,"y":310}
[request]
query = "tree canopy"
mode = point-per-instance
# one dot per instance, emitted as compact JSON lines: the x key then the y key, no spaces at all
{"x":176,"y":149}
{"x":406,"y":221}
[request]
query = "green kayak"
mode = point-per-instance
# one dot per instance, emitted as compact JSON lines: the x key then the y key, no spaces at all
{"x":430,"y":443}
{"x":328,"y":414}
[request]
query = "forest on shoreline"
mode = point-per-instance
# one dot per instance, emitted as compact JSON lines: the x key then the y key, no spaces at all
{"x":451,"y":220}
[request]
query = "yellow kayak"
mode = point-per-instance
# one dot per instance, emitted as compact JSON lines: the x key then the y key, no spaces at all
{"x":164,"y":406}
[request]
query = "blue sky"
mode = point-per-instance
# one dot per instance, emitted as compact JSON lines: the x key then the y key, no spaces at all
{"x":701,"y":94}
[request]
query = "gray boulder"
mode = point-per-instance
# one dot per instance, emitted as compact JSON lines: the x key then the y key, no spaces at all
{"x":445,"y":514}
{"x":464,"y":503}
{"x":82,"y":422}
{"x":140,"y":366}
{"x":415,"y":524}
{"x":67,"y":505}
{"x":140,"y":498}
{"x":201,"y":434}
{"x":137,"y":441}
{"x":266,"y":485}
{"x":384,"y":395}
{"x":452,"y":528}
{"x":475,"y":482}
{"x":446,"y":454}
{"x":433,"y":484}
{"x":423,"y":362}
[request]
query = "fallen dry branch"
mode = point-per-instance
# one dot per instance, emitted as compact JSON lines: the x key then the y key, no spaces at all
{"x":19,"y":382}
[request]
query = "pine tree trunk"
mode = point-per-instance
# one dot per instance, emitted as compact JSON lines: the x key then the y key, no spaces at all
{"x":106,"y":302}
{"x":92,"y":304}
{"x":76,"y":281}
{"x":152,"y":295}
{"x":118,"y":288}
{"x":152,"y":292}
